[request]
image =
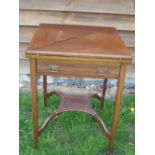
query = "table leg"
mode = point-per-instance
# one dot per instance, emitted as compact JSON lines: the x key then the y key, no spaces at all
{"x":117,"y":104}
{"x":45,"y":89}
{"x":33,"y":72}
{"x":103,"y":93}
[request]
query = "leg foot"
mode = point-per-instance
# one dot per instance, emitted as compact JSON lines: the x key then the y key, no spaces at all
{"x":109,"y":153}
{"x":36,"y":142}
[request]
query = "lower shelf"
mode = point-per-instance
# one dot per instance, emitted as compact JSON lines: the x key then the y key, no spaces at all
{"x":75,"y":103}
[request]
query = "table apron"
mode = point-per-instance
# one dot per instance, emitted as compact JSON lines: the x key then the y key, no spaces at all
{"x":110,"y":71}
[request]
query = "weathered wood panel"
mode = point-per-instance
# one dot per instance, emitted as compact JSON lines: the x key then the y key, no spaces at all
{"x":104,"y":6}
{"x":130,"y":72}
{"x":55,"y":5}
{"x":26,"y":33}
{"x":95,"y":6}
{"x":22,"y":50}
{"x":128,"y":37}
{"x":132,"y":52}
{"x":34,"y":18}
{"x":24,"y":66}
{"x":121,"y":22}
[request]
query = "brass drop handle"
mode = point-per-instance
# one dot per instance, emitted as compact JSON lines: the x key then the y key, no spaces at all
{"x":53,"y":68}
{"x":103,"y":70}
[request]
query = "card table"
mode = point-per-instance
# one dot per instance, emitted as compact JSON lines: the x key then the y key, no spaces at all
{"x":80,"y":52}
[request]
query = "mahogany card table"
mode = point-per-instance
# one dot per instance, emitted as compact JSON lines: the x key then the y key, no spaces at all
{"x":80,"y":52}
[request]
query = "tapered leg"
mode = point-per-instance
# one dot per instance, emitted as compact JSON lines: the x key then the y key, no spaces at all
{"x":103,"y":93}
{"x":117,"y":104}
{"x":34,"y":99}
{"x":45,"y":89}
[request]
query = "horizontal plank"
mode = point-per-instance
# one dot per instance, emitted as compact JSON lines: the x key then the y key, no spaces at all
{"x":55,"y":5}
{"x":22,"y":50}
{"x":26,"y":33}
{"x":104,"y":6}
{"x":130,"y":74}
{"x":128,"y":37}
{"x":95,"y":6}
{"x":23,"y":47}
{"x":132,"y":53}
{"x":34,"y":18}
{"x":121,"y":22}
{"x":24,"y":69}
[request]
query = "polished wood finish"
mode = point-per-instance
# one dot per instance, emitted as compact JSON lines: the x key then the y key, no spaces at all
{"x":78,"y":41}
{"x":33,"y":69}
{"x":77,"y":51}
{"x":77,"y":70}
{"x":75,"y":103}
{"x":117,"y":103}
{"x":103,"y":93}
{"x":26,"y":34}
{"x":45,"y":89}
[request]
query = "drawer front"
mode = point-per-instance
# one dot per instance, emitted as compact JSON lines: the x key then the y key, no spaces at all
{"x":68,"y":70}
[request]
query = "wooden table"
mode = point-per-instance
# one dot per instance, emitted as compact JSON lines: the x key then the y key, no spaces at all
{"x":77,"y":51}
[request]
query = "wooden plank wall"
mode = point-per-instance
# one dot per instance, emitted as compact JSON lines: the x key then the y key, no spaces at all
{"x":113,"y":13}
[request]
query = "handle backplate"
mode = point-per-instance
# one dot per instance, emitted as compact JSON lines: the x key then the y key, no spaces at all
{"x":53,"y":68}
{"x":103,"y":70}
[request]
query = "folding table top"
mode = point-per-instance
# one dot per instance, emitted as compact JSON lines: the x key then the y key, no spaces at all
{"x":78,"y":41}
